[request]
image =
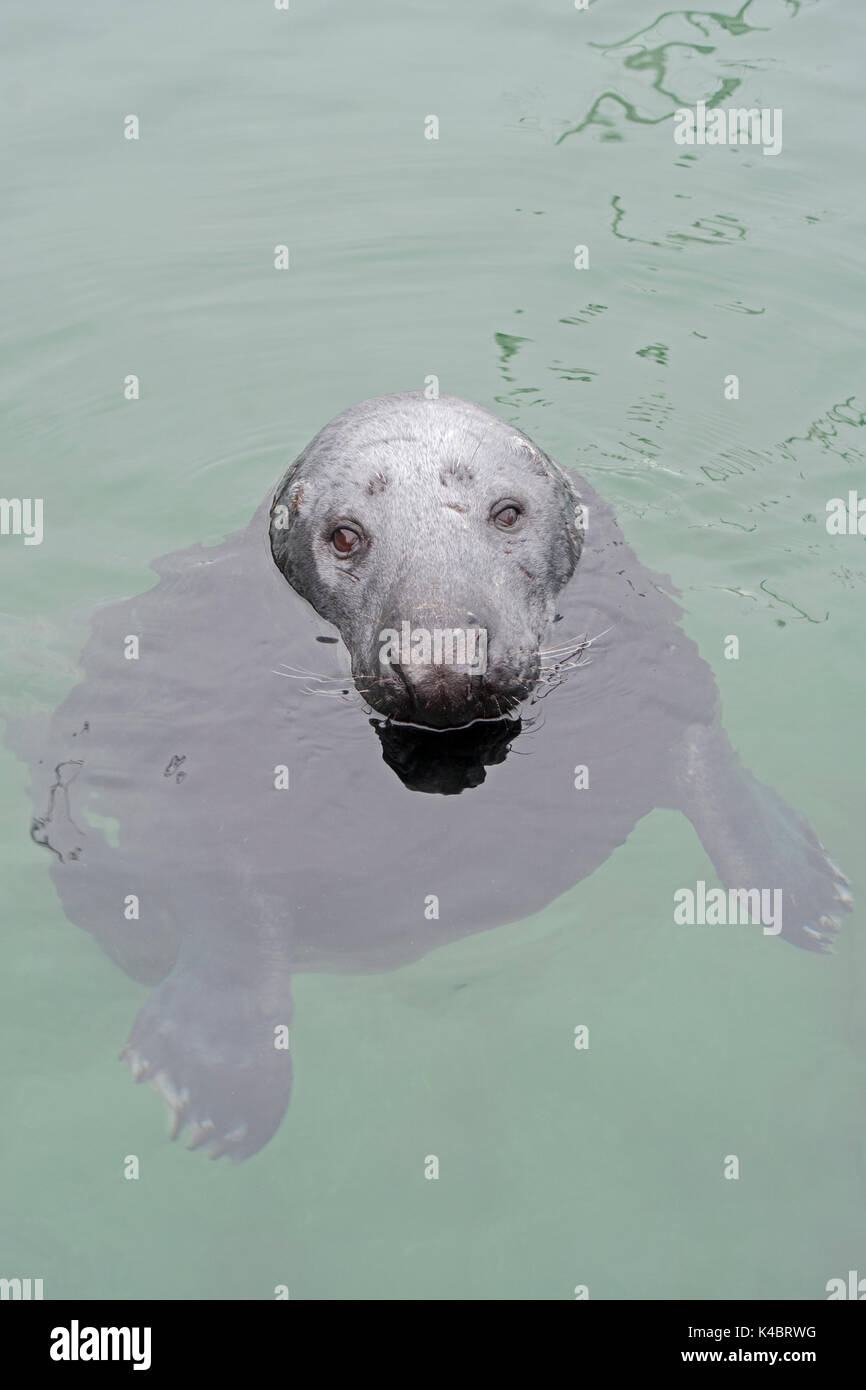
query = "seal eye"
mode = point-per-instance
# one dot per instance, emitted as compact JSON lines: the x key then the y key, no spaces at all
{"x":344,"y":540}
{"x":507,"y":516}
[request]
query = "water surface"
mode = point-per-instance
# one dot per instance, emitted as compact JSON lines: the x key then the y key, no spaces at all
{"x":412,"y":258}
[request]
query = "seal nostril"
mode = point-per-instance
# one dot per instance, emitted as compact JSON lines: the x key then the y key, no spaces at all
{"x":408,"y":686}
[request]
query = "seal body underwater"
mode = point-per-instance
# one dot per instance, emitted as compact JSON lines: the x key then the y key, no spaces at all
{"x":287,"y":796}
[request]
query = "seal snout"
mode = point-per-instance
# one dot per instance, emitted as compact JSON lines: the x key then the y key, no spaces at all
{"x":444,"y":677}
{"x":443,"y":697}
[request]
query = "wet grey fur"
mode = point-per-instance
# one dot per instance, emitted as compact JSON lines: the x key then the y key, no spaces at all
{"x":241,"y":884}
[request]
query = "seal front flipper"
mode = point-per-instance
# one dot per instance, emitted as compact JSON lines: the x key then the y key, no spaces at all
{"x":756,"y":840}
{"x":212,"y":1039}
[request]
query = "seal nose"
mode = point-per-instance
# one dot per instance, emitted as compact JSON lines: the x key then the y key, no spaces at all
{"x":432,"y":667}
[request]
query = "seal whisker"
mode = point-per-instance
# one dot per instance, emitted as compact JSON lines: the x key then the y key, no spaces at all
{"x":293,"y":676}
{"x":299,"y":674}
{"x":302,"y":671}
{"x":575,"y":642}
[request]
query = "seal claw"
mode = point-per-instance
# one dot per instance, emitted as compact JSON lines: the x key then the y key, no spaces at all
{"x":201,"y":1134}
{"x":840,"y":874}
{"x":140,"y":1068}
{"x":180,"y":1114}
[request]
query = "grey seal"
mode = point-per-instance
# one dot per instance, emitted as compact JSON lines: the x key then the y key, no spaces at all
{"x":434,"y":515}
{"x":257,"y":824}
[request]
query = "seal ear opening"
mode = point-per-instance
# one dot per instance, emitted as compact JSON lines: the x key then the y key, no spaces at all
{"x":575,"y":512}
{"x":283,"y":512}
{"x":279,"y":536}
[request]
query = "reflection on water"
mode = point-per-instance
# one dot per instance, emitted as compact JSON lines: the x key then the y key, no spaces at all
{"x":666,"y":65}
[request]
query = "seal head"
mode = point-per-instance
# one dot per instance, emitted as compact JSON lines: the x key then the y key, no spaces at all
{"x":435,"y":537}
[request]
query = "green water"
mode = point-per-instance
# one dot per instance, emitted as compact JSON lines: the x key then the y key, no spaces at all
{"x":455,"y":258}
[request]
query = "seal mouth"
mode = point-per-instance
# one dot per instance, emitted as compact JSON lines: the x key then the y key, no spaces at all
{"x":442,"y":699}
{"x":393,"y":721}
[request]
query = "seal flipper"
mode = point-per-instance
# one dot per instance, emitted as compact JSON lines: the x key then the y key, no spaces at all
{"x":756,"y":840}
{"x":213,"y":1041}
